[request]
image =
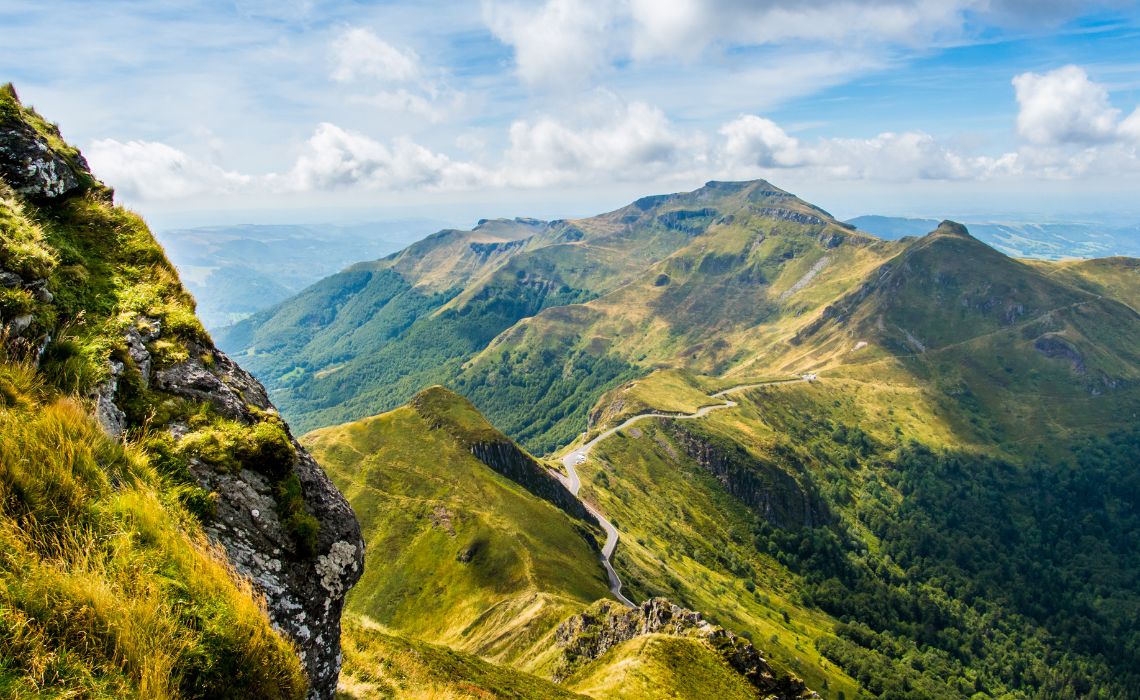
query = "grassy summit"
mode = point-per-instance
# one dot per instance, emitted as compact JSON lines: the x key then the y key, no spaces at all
{"x":458,"y":554}
{"x":524,"y":321}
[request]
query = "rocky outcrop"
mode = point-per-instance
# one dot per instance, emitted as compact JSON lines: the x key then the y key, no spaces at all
{"x":791,"y":215}
{"x":30,"y":165}
{"x":506,"y":458}
{"x":688,"y":221}
{"x":771,"y":492}
{"x":486,"y":250}
{"x":158,"y":380}
{"x":304,"y":591}
{"x":1055,"y":347}
{"x":587,"y":636}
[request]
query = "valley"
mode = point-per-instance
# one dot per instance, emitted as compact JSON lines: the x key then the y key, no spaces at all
{"x":578,"y":455}
{"x":711,"y":442}
{"x":772,"y":423}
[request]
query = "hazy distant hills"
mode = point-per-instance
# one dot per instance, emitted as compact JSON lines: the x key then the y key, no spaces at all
{"x":234,"y":271}
{"x":1053,"y":241}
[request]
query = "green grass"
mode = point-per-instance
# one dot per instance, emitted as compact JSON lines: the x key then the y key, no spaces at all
{"x":456,"y":553}
{"x":378,"y":663}
{"x":660,"y":666}
{"x":881,"y":579}
{"x":108,"y":588}
{"x":662,"y":391}
{"x":685,"y":539}
{"x":526,"y":333}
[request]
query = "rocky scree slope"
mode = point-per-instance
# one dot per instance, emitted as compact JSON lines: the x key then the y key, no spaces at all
{"x":87,"y":296}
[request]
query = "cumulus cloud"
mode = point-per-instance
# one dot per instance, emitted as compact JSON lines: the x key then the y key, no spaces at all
{"x":336,"y":158}
{"x":152,"y":170}
{"x":560,"y":41}
{"x":755,"y":141}
{"x":606,"y":136}
{"x":752,"y":145}
{"x":1068,"y":125}
{"x":1064,"y":106}
{"x":390,"y":79}
{"x":359,"y":54}
{"x":556,"y":41}
{"x":1130,"y":127}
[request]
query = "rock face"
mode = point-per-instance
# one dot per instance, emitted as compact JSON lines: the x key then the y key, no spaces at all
{"x":770,"y":491}
{"x":31,"y":167}
{"x":304,"y":582}
{"x":587,"y":636}
{"x":305,"y":594}
{"x":507,"y":459}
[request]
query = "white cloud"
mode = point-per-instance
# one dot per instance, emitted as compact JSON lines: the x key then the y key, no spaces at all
{"x":605,"y":137}
{"x":1063,"y":106}
{"x":406,"y":86}
{"x":754,"y":141}
{"x":151,"y":170}
{"x":1070,"y":131}
{"x":753,"y":146}
{"x":685,"y":27}
{"x":1130,"y":127}
{"x":359,"y":54}
{"x":557,"y":42}
{"x":566,"y":41}
{"x":335,"y":158}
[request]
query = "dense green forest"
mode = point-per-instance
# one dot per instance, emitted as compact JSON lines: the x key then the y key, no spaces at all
{"x":979,"y":575}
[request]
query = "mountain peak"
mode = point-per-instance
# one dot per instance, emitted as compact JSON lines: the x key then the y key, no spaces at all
{"x":952,"y":228}
{"x":443,"y":408}
{"x":34,"y":158}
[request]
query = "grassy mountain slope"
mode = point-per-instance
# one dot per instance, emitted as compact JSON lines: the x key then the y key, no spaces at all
{"x":462,"y":557}
{"x":381,"y":664}
{"x":1033,"y":356}
{"x":654,"y":664}
{"x":714,"y":306}
{"x":457,"y":553}
{"x":1115,"y":278}
{"x":922,"y":522}
{"x":108,"y":586}
{"x":718,"y":263}
{"x":968,"y":458}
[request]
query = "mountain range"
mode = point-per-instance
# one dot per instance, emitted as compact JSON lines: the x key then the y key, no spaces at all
{"x":711,"y":443}
{"x":1045,"y":241}
{"x":832,"y":521}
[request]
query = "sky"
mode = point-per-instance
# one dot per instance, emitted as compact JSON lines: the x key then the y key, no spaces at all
{"x":265,"y":111}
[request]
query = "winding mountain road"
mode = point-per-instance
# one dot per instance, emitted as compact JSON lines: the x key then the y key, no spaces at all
{"x":573,"y":482}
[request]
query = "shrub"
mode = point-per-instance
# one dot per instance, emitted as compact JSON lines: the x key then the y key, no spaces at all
{"x":269,"y":450}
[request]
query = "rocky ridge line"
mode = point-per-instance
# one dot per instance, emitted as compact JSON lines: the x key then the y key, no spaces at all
{"x":591,"y":634}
